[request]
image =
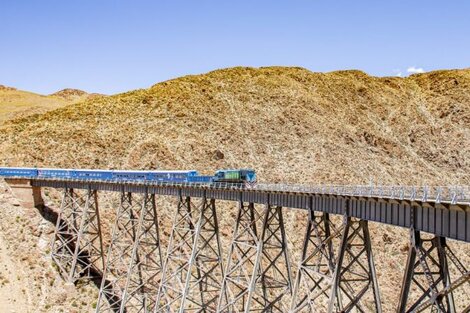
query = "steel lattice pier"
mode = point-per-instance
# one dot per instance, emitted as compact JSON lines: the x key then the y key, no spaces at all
{"x":336,"y":271}
{"x":193,"y":266}
{"x":133,"y":265}
{"x":258,"y":273}
{"x":77,"y":247}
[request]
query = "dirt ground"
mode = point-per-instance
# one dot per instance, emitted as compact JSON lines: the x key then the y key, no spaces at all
{"x":28,"y":280}
{"x":12,"y":299}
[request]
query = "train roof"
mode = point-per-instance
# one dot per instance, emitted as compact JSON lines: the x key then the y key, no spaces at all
{"x":85,"y":170}
{"x":18,"y":168}
{"x":54,"y":169}
{"x":152,"y":171}
{"x":95,"y":170}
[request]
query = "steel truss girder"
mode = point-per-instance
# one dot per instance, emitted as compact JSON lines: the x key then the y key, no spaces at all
{"x":77,"y":247}
{"x":315,"y":274}
{"x":133,"y":264}
{"x":257,"y":276}
{"x":428,"y":269}
{"x":193,"y":267}
{"x":354,"y":270}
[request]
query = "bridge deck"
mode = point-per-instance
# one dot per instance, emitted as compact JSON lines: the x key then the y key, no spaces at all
{"x":440,"y":211}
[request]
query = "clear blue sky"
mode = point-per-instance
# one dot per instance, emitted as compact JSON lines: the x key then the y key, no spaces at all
{"x":112,"y":46}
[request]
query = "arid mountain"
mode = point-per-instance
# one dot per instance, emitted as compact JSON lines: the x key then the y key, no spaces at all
{"x":290,"y":124}
{"x":69,"y":92}
{"x":16,"y":103}
{"x":74,"y":95}
{"x":5,"y":88}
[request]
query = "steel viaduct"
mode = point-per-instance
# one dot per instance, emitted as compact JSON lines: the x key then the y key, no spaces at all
{"x":336,"y":272}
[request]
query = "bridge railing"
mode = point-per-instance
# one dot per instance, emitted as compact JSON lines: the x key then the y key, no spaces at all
{"x":444,"y":194}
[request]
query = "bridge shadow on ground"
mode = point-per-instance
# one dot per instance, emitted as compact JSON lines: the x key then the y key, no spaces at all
{"x":93,"y":274}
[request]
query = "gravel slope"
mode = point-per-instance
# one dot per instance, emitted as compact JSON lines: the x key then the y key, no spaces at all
{"x":290,"y":124}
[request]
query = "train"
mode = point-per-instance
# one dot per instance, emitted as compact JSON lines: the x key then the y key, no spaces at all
{"x":247,"y":177}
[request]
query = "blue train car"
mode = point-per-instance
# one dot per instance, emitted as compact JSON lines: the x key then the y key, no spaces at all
{"x":55,"y":173}
{"x":200,"y":179}
{"x":173,"y":176}
{"x":130,"y":175}
{"x":163,"y":176}
{"x":18,"y":172}
{"x":92,"y":174}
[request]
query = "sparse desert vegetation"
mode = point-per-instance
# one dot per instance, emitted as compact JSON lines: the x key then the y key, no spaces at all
{"x":290,"y":124}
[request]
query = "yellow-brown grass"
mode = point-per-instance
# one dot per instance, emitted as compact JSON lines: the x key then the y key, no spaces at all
{"x":290,"y":124}
{"x":16,"y":103}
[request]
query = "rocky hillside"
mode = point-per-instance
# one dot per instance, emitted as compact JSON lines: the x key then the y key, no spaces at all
{"x":16,"y":103}
{"x":288,"y":123}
